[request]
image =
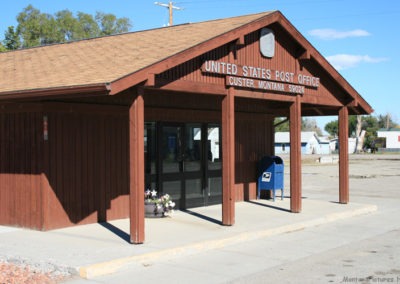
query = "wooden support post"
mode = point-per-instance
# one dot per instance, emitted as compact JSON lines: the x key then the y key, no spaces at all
{"x":228,"y":158}
{"x":344,"y":155}
{"x":295,"y":156}
{"x":136,"y":169}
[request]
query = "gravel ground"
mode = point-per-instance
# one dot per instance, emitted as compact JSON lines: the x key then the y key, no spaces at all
{"x":13,"y":270}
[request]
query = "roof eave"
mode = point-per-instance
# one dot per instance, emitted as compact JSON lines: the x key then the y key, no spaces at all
{"x":64,"y":92}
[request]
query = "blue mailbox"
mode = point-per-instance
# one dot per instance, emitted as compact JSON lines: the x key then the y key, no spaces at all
{"x":270,"y":175}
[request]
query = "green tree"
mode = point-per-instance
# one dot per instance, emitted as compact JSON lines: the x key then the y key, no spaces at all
{"x":386,"y":121}
{"x":67,"y":25}
{"x":87,"y":26}
{"x":282,"y":125}
{"x":29,"y":28}
{"x":332,"y":128}
{"x":11,"y":39}
{"x":2,"y":47}
{"x":371,"y":126}
{"x":109,"y":24}
{"x":352,"y":125}
{"x":369,"y":123}
{"x":36,"y":28}
{"x":49,"y":30}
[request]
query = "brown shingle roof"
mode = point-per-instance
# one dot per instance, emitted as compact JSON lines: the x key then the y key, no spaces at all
{"x":106,"y":59}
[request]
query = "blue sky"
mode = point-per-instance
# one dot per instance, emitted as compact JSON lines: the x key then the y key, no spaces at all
{"x":359,"y":37}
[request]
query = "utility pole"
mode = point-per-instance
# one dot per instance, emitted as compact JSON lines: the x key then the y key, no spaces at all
{"x":170,"y":8}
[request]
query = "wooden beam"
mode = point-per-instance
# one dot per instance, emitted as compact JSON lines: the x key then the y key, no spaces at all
{"x":151,"y":80}
{"x":191,"y":87}
{"x":84,"y":108}
{"x":343,"y":155}
{"x":240,"y":41}
{"x":228,"y":158}
{"x":263,"y":95}
{"x":321,"y":100}
{"x":20,"y":107}
{"x":136,"y":169}
{"x":174,"y":115}
{"x":304,"y":55}
{"x":295,"y":156}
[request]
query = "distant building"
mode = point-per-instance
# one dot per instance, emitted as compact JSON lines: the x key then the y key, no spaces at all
{"x":392,"y":136}
{"x":310,"y":143}
{"x":352,"y":145}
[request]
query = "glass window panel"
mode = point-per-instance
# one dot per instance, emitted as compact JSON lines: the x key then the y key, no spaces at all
{"x":193,"y":148}
{"x":193,"y":188}
{"x":150,"y":147}
{"x":171,"y":153}
{"x":215,"y":186}
{"x":214,"y":149}
{"x":173,"y":188}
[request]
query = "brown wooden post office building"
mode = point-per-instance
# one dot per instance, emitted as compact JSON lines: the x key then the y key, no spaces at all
{"x":87,"y":126}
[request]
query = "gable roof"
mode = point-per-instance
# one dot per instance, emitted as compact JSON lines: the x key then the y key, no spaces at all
{"x":106,"y":59}
{"x":112,"y":64}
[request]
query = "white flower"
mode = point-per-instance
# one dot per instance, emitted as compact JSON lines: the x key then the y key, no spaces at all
{"x":162,"y":204}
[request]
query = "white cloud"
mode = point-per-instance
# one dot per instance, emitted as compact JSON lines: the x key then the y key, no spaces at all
{"x":331,"y":34}
{"x":344,"y":61}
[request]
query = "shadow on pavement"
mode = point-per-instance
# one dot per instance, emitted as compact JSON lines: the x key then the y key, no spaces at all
{"x":269,"y":206}
{"x":117,"y":231}
{"x":201,"y":216}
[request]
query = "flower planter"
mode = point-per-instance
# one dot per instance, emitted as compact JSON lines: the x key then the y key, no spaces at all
{"x":151,"y":210}
{"x":157,"y":207}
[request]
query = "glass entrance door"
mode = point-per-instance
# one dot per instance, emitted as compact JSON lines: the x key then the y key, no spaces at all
{"x":171,"y":162}
{"x":181,"y":160}
{"x":190,"y":164}
{"x":184,"y":161}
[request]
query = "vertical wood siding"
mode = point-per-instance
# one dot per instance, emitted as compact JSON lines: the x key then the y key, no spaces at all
{"x":191,"y":70}
{"x":87,"y":169}
{"x":20,"y":158}
{"x":284,"y":58}
{"x":254,"y":139}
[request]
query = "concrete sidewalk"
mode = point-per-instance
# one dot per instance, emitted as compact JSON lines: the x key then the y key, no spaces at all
{"x":99,"y":249}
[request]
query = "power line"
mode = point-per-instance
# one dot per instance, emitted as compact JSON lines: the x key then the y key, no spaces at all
{"x":170,"y":8}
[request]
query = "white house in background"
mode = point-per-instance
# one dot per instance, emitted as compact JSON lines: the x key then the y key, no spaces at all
{"x":310,"y":143}
{"x":392,"y":136}
{"x":352,"y":145}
